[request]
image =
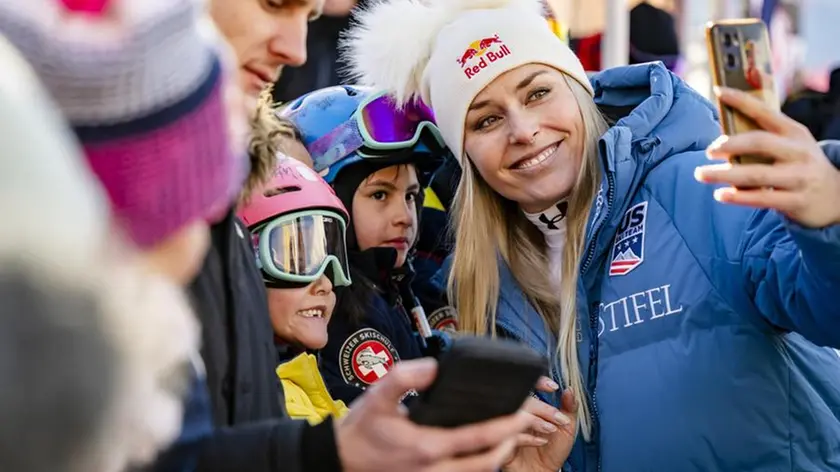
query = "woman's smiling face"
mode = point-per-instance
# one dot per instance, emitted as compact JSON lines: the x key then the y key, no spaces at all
{"x":524,"y":134}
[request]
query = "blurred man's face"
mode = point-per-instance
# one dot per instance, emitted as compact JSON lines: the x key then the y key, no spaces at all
{"x":266,"y":35}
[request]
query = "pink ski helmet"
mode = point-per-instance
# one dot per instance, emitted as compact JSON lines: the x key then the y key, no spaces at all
{"x":294,"y":187}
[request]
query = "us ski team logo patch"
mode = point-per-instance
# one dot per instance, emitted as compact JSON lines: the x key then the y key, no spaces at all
{"x":629,"y":247}
{"x":444,"y":319}
{"x":366,"y":356}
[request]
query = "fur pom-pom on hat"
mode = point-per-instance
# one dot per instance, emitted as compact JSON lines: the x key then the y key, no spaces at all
{"x":389,"y":45}
{"x":445,"y":52}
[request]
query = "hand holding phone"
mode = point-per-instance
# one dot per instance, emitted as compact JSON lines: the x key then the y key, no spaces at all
{"x":377,"y":435}
{"x":740,"y":58}
{"x":803,"y":183}
{"x":478,"y":379}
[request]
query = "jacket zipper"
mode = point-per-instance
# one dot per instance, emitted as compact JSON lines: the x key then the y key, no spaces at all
{"x":590,"y":251}
{"x":596,"y":416}
{"x":593,"y":317}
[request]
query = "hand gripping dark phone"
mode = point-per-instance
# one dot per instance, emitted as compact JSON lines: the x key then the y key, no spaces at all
{"x":478,"y":379}
{"x":740,"y":58}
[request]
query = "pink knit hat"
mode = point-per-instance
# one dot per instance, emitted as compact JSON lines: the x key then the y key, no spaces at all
{"x":142,"y":86}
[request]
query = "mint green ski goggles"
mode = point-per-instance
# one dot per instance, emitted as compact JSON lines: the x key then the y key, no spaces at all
{"x":300,"y":247}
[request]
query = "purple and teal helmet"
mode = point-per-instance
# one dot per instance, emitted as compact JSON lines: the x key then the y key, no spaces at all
{"x":344,"y":124}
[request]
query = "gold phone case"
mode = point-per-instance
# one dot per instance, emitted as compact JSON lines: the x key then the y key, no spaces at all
{"x":739,"y":52}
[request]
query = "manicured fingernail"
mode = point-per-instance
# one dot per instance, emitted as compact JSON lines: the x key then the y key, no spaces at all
{"x":540,"y":441}
{"x":717,"y":143}
{"x":698,"y":174}
{"x":552,"y":385}
{"x":562,"y":419}
{"x":722,"y":194}
{"x":725,"y":91}
{"x":548,"y":427}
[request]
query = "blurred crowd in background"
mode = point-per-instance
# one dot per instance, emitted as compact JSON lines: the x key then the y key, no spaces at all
{"x":804,"y":56}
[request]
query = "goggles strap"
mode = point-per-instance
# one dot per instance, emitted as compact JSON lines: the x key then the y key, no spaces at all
{"x":339,"y":143}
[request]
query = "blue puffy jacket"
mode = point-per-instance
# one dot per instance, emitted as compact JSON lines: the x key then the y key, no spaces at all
{"x":700,"y":322}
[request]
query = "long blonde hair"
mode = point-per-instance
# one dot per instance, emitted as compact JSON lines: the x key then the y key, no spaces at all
{"x":487,"y":224}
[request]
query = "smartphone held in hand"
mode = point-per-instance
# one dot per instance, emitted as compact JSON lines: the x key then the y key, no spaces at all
{"x":740,"y":58}
{"x":478,"y":379}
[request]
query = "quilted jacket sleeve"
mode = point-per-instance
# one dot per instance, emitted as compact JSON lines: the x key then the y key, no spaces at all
{"x":793,"y":272}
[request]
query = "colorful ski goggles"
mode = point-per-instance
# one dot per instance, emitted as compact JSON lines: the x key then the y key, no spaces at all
{"x":378,"y":125}
{"x":299,"y":247}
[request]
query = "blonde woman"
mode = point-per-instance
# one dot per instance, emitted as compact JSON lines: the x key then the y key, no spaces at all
{"x":687,"y":320}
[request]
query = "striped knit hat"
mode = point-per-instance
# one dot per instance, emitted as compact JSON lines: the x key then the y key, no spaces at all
{"x":142,"y":86}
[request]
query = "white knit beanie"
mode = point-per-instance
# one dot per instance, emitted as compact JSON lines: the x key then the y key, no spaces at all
{"x":445,"y":52}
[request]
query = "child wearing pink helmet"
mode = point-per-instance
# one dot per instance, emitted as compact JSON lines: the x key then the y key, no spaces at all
{"x":297,"y":227}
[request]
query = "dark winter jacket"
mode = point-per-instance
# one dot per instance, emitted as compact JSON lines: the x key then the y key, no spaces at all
{"x":234,"y":419}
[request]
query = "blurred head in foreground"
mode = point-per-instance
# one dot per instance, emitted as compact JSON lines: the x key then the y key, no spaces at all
{"x":148,"y":88}
{"x":93,"y":343}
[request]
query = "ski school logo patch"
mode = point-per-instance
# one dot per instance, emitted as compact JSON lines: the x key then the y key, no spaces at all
{"x":444,"y":319}
{"x":366,"y":356}
{"x":629,"y":247}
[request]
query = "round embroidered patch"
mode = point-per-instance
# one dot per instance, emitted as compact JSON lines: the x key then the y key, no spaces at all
{"x":444,"y":319}
{"x":366,"y":356}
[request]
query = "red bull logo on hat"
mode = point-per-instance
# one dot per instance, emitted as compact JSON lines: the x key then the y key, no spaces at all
{"x":481,"y":53}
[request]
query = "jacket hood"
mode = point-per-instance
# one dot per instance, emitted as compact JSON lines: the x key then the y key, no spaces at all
{"x":662,"y":114}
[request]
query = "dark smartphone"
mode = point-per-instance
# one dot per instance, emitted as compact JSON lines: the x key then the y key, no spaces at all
{"x":740,"y":58}
{"x":478,"y":379}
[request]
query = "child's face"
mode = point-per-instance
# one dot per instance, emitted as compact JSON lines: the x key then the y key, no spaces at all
{"x":385,"y":212}
{"x":299,"y":316}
